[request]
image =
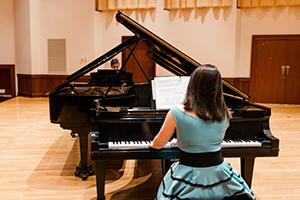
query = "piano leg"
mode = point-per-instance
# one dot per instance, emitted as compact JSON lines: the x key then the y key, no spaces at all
{"x":83,"y":170}
{"x":100,"y":179}
{"x":166,"y":164}
{"x":247,"y":164}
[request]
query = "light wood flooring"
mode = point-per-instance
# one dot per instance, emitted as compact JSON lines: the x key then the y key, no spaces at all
{"x":37,"y":159}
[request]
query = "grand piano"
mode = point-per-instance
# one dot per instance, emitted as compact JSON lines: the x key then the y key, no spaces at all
{"x":121,"y":132}
{"x":121,"y":115}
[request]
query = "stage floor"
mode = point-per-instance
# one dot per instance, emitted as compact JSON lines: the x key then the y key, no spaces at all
{"x":38,"y":159}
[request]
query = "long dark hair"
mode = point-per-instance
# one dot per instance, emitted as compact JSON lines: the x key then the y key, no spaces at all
{"x":204,"y":94}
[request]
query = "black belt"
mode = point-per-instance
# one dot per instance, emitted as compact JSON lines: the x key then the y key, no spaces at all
{"x":201,"y":159}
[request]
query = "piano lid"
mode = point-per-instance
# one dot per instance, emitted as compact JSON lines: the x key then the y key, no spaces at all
{"x":170,"y":57}
{"x":160,"y":51}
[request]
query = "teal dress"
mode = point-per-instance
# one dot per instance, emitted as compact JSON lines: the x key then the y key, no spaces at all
{"x":215,"y":182}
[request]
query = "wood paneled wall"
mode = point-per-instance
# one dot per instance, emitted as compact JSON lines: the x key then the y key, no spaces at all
{"x":7,"y":81}
{"x":242,"y":84}
{"x":40,"y":85}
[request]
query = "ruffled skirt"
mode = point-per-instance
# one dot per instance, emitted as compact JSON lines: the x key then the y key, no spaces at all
{"x":194,"y":183}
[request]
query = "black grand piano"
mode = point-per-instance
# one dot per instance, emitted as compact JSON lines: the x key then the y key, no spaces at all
{"x":120,"y":112}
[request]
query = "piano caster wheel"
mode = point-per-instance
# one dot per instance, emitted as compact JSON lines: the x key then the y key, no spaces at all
{"x":84,"y":173}
{"x":87,"y":173}
{"x":73,"y":134}
{"x":90,"y":172}
{"x":84,"y":177}
{"x":77,"y":172}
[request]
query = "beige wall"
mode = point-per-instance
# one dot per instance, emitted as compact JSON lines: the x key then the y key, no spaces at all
{"x":40,"y":20}
{"x":72,"y":20}
{"x":207,"y":35}
{"x":22,"y":37}
{"x":275,"y":21}
{"x":7,"y":33}
{"x":218,"y":36}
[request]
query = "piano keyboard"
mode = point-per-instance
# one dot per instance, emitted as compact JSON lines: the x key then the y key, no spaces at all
{"x":126,"y":145}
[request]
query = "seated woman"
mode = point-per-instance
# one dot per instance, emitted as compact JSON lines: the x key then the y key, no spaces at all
{"x":200,"y":123}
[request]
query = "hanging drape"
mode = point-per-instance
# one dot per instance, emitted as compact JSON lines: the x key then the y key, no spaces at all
{"x":188,"y":4}
{"x":103,"y":5}
{"x":267,"y":3}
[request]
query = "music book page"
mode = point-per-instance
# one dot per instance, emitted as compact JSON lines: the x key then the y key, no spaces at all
{"x":169,"y":91}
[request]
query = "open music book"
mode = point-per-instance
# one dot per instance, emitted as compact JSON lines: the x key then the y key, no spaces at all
{"x":169,"y":91}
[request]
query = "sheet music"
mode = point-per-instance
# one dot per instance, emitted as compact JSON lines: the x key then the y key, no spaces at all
{"x":153,"y":89}
{"x":169,"y":91}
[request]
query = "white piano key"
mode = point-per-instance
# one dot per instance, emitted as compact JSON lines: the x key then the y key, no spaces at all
{"x":145,"y":144}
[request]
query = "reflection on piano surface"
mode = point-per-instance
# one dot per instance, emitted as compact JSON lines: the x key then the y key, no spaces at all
{"x":107,"y":77}
{"x":117,"y":111}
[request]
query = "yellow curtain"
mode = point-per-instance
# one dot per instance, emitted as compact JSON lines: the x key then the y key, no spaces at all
{"x":267,"y":3}
{"x":183,"y":4}
{"x":287,"y":2}
{"x":103,"y":5}
{"x":190,"y":3}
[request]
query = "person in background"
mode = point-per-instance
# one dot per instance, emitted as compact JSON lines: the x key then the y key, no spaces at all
{"x":114,"y":64}
{"x":200,"y":123}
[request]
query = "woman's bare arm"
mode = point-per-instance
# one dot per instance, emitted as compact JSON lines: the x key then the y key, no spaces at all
{"x":165,"y":133}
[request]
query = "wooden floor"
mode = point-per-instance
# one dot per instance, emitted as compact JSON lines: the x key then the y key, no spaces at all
{"x":38,"y":159}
